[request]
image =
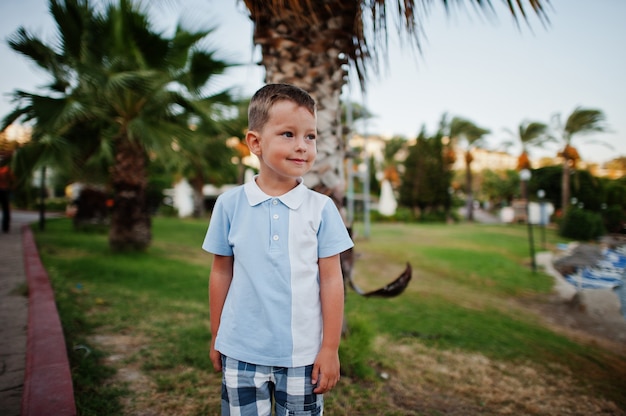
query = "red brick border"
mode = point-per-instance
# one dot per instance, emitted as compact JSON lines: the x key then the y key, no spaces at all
{"x":48,"y":386}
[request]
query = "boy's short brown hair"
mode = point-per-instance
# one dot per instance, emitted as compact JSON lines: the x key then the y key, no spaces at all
{"x":267,"y":96}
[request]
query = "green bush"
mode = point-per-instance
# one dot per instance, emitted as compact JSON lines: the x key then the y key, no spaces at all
{"x":614,"y":219}
{"x":406,"y":215}
{"x":580,"y":224}
{"x":56,"y":204}
{"x":402,"y":214}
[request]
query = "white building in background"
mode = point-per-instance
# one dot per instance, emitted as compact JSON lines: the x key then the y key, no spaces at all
{"x":373,"y":146}
{"x":485,"y":159}
{"x":182,"y":198}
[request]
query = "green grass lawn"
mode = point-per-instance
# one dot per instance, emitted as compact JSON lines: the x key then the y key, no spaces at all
{"x":147,"y":314}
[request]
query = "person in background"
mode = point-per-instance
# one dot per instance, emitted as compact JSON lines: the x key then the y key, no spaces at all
{"x":6,"y":184}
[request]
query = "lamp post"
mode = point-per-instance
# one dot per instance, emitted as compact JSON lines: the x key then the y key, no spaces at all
{"x":525,"y":177}
{"x":542,"y":216}
{"x":350,"y":163}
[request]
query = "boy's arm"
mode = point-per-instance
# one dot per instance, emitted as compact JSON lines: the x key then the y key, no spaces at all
{"x":219,"y":283}
{"x":326,"y":367}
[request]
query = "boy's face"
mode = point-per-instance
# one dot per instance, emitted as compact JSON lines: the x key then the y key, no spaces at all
{"x":286,"y":145}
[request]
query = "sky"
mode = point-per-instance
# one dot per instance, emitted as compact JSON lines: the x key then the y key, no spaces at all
{"x":488,"y":70}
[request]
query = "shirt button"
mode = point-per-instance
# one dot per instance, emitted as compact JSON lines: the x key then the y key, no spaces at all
{"x":275,"y":238}
{"x":275,"y":216}
{"x":274,"y":202}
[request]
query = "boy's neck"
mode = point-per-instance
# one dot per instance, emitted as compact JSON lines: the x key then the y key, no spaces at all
{"x":275,"y":187}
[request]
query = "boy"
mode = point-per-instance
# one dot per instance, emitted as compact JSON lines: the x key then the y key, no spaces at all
{"x":275,"y":288}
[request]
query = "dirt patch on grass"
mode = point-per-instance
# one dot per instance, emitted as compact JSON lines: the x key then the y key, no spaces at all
{"x":429,"y":381}
{"x":180,"y":391}
{"x":122,"y":352}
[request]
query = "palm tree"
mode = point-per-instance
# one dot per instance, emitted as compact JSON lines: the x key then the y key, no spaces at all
{"x":580,"y":121}
{"x":118,"y":90}
{"x":461,"y":129}
{"x":529,"y":133}
{"x":312,"y":44}
{"x":204,"y":158}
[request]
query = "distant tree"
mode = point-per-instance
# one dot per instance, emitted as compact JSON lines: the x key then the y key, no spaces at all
{"x":548,"y":179}
{"x":204,"y":158}
{"x":427,"y":176}
{"x":213,"y":153}
{"x":616,"y":193}
{"x":580,"y":122}
{"x":500,"y":187}
{"x":529,"y":134}
{"x":469,"y":135}
{"x":614,"y":213}
{"x":394,"y":148}
{"x":589,"y":190}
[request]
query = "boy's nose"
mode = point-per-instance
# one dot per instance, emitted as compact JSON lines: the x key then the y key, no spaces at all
{"x":301,"y":143}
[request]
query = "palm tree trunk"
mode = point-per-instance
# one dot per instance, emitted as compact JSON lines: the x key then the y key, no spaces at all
{"x":130,"y":219}
{"x":316,"y":66}
{"x":469,"y":202}
{"x":309,"y":56}
{"x":197,"y":183}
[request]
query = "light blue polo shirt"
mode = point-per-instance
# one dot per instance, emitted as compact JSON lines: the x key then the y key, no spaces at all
{"x":272,"y":314}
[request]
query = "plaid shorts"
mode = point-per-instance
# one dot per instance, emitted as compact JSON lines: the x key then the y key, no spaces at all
{"x":252,"y":390}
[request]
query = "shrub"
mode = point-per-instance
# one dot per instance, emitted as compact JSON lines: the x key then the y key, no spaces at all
{"x":614,"y":219}
{"x":56,"y":204}
{"x":580,"y":224}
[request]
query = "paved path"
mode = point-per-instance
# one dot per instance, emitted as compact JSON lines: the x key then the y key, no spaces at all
{"x":480,"y":216}
{"x":13,"y":314}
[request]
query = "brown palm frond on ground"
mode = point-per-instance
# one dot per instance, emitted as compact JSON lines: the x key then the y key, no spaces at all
{"x":391,"y":290}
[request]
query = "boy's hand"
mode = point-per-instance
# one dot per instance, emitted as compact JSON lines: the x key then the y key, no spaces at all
{"x":216,"y":358}
{"x":325,"y":370}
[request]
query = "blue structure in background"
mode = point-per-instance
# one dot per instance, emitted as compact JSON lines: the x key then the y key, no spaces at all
{"x":621,"y":293}
{"x":608,"y":273}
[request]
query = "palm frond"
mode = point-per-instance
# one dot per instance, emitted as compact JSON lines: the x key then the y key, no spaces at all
{"x":365,"y":24}
{"x":585,"y":120}
{"x":19,"y":113}
{"x":202,"y":68}
{"x":463,"y":128}
{"x":517,"y":6}
{"x":42,"y":55}
{"x":69,"y":17}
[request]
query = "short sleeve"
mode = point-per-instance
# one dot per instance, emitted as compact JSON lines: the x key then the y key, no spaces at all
{"x":332,"y":236}
{"x":216,"y":239}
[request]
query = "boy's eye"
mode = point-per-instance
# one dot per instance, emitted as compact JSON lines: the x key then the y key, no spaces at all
{"x":311,"y":137}
{"x":288,"y":134}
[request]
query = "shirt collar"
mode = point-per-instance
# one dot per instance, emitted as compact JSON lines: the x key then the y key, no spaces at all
{"x":292,"y":199}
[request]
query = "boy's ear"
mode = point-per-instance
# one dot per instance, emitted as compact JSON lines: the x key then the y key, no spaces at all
{"x":254,"y":142}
